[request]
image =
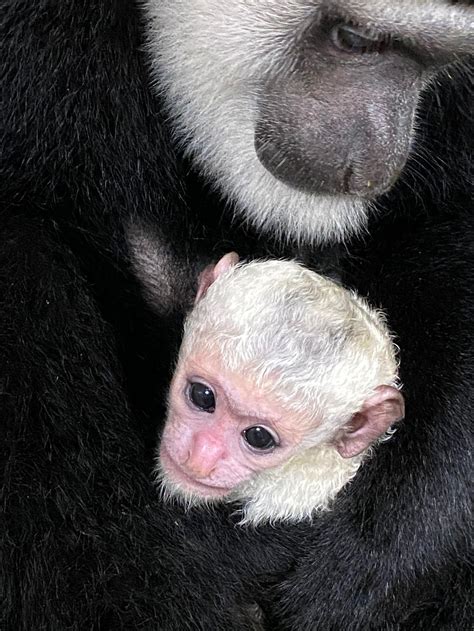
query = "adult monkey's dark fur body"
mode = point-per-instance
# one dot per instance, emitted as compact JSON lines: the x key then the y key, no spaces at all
{"x":86,"y":152}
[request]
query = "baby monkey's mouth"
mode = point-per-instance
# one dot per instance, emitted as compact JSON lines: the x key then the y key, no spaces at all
{"x":175,"y":474}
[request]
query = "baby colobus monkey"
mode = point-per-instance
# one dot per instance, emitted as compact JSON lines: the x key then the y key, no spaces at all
{"x":284,"y":381}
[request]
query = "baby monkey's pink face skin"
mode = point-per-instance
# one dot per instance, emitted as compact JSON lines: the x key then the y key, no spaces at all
{"x":221,"y":430}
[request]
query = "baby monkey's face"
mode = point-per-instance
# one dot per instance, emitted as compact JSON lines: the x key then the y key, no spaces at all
{"x":221,"y":430}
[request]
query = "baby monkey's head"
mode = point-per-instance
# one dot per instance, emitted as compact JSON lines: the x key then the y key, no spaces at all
{"x":277,"y":364}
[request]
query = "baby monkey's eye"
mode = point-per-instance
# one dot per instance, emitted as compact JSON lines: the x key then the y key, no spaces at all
{"x":259,"y":438}
{"x":202,"y":396}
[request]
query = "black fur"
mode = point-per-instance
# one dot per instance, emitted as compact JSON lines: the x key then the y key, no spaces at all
{"x":84,"y":362}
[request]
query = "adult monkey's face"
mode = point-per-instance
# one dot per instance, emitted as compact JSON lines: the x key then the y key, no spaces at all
{"x":302,"y":111}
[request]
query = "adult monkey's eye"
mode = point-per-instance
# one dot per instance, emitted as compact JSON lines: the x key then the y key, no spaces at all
{"x":202,"y":396}
{"x":352,"y":39}
{"x":259,"y":438}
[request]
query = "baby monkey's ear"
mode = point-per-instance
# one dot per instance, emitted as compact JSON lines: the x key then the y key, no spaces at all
{"x":212,"y":272}
{"x":384,"y":408}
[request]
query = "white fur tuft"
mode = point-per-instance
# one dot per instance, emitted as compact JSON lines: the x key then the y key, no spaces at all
{"x":297,"y":489}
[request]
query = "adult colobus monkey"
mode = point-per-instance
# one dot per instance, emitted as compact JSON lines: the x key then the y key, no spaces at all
{"x":271,"y":128}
